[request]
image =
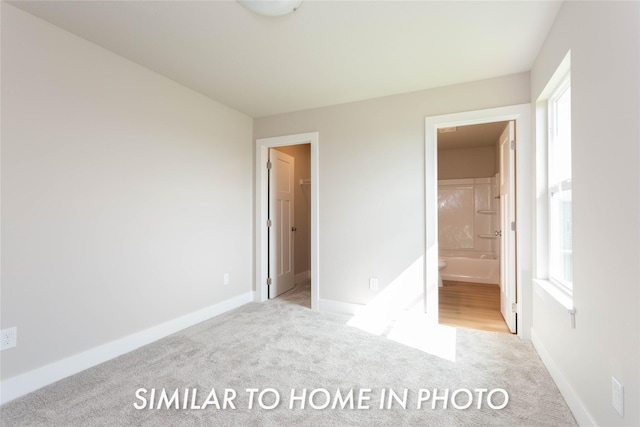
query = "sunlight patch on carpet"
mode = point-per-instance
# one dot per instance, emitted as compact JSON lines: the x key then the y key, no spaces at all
{"x":398,"y":314}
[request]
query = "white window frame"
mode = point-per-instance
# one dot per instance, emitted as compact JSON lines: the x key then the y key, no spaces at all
{"x":555,"y":186}
{"x":544,"y":286}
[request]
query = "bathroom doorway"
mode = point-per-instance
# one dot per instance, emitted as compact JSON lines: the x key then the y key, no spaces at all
{"x":475,"y":167}
{"x":522,"y":252}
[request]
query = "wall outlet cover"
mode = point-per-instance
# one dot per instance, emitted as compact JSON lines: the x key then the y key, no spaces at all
{"x":8,"y":338}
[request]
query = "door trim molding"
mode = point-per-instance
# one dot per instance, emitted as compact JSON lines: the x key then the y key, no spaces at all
{"x":261,"y":206}
{"x":521,"y":114}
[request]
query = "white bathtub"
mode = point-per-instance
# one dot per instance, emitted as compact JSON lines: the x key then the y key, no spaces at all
{"x":470,"y":267}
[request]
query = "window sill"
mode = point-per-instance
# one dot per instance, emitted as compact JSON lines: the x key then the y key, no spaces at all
{"x":552,"y":290}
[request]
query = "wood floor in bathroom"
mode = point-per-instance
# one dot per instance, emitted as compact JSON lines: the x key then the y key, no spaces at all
{"x":471,"y":305}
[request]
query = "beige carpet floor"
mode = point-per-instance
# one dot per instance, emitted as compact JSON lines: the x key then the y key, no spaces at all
{"x":282,"y":345}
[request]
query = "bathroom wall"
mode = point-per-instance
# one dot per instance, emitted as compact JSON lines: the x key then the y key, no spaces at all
{"x":468,"y":162}
{"x":467,"y":215}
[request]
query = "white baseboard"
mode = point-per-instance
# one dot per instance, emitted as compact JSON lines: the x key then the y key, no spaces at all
{"x":22,"y":384}
{"x":341,"y":307}
{"x":301,"y":277}
{"x":577,"y":407}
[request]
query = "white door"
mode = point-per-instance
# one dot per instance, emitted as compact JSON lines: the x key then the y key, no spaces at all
{"x":508,"y":297}
{"x":281,"y":189}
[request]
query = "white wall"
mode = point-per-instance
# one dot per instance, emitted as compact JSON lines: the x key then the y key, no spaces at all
{"x":604,"y":39}
{"x":371,"y":183}
{"x":125,"y":196}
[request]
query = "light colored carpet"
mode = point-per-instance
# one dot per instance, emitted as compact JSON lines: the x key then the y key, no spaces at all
{"x":283,"y":345}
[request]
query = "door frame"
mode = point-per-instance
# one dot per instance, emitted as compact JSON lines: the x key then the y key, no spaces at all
{"x":262,"y":211}
{"x":522,"y":116}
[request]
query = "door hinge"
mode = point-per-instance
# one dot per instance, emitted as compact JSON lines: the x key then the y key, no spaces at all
{"x":513,"y":226}
{"x":513,"y":144}
{"x":514,"y":307}
{"x":269,"y":165}
{"x":269,"y":281}
{"x":269,"y":223}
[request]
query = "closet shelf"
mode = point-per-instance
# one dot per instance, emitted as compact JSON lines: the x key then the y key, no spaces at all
{"x":486,"y":212}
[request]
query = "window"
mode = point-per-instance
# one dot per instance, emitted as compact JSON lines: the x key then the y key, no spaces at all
{"x":559,"y":186}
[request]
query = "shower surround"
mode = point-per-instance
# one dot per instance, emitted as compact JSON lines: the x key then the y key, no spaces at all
{"x":468,"y":221}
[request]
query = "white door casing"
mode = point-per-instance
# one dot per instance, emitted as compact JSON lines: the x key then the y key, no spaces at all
{"x":508,"y":295}
{"x":262,"y":212}
{"x":281,"y":216}
{"x":521,"y":114}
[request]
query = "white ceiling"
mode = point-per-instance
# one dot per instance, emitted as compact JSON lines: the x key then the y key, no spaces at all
{"x":326,"y":53}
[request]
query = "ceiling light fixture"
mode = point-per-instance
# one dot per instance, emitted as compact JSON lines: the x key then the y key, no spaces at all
{"x":271,"y":7}
{"x":448,"y":129}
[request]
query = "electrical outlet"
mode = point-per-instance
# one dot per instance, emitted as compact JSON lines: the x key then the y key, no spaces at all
{"x":373,"y":283}
{"x":617,"y":396}
{"x":8,"y":338}
{"x":225,"y":278}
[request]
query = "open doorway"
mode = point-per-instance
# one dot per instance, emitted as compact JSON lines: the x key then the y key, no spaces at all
{"x":289,"y":248}
{"x":305,"y":146}
{"x":472,"y":190}
{"x":520,"y":115}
